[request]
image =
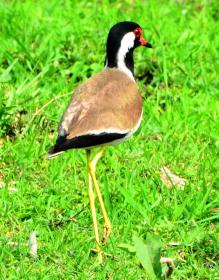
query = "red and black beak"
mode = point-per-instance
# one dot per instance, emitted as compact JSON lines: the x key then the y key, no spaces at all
{"x":144,"y":43}
{"x":138,"y":36}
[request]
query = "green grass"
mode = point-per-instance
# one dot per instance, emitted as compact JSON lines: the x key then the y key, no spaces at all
{"x":47,"y":49}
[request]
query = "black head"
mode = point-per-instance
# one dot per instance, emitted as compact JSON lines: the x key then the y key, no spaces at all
{"x":122,"y":39}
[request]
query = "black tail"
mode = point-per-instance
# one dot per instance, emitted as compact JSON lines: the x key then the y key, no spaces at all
{"x":83,"y":141}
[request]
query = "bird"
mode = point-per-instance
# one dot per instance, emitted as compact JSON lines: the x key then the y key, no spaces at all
{"x":104,"y":110}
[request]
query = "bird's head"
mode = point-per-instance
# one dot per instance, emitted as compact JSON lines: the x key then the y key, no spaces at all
{"x":122,"y":39}
{"x":128,"y":32}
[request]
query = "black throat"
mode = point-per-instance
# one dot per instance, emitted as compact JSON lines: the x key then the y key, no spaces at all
{"x":111,"y":60}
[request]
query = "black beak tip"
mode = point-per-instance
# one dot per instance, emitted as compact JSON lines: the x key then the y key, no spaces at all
{"x":148,"y":45}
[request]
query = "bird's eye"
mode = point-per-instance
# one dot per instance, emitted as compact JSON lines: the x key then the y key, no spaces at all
{"x":137,"y":32}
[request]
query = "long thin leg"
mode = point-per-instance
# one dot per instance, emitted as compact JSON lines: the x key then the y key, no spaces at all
{"x":93,"y":210}
{"x":107,"y":225}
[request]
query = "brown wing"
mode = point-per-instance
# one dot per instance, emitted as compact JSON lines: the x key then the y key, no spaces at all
{"x":109,"y":103}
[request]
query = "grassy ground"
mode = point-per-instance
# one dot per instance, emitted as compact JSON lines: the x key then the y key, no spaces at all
{"x":47,"y":49}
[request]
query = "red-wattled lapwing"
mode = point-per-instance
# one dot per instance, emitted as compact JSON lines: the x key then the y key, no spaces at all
{"x":104,"y":110}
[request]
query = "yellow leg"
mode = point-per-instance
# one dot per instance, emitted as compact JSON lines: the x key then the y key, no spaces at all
{"x":107,"y":225}
{"x":93,"y":210}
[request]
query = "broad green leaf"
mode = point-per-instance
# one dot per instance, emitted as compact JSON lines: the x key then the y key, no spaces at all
{"x":154,"y":246}
{"x":143,"y":254}
{"x":149,"y":253}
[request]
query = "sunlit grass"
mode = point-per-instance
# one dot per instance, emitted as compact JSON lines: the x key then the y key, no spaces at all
{"x":47,"y":49}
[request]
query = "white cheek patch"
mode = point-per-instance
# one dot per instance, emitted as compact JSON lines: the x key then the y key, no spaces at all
{"x":127,"y":43}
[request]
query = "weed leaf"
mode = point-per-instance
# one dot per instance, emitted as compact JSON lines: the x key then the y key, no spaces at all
{"x":154,"y":245}
{"x":148,"y":253}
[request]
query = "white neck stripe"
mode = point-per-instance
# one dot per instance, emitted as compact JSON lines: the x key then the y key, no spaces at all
{"x":127,"y":43}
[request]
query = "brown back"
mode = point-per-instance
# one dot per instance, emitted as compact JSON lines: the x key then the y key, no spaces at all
{"x":108,"y":101}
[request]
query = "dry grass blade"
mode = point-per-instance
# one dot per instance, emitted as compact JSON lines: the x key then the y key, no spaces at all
{"x":215,"y":210}
{"x":41,"y":109}
{"x":3,"y":185}
{"x":169,"y":179}
{"x":13,"y":189}
{"x":174,"y":243}
{"x":33,"y":245}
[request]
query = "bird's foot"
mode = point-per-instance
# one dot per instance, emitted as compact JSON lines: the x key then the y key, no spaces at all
{"x":104,"y":254}
{"x":100,"y":254}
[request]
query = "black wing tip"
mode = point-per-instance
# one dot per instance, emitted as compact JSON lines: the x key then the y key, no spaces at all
{"x":91,"y":140}
{"x":57,"y":148}
{"x":51,"y":156}
{"x":82,"y":142}
{"x":53,"y":153}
